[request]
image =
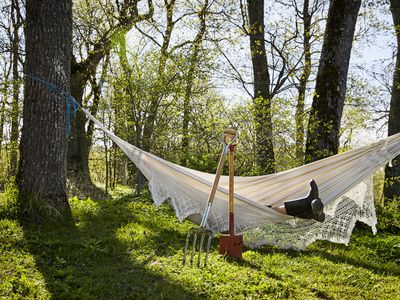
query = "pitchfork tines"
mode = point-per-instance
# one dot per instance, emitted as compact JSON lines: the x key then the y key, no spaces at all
{"x":202,"y":233}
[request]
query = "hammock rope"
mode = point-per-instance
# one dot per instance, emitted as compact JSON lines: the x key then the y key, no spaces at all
{"x":72,"y":106}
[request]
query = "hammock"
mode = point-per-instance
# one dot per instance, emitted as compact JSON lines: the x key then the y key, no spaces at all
{"x":344,"y":182}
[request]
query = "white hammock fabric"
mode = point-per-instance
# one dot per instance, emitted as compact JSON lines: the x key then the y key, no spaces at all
{"x":344,"y":183}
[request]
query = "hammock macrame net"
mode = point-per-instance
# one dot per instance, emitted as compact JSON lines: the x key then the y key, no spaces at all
{"x":344,"y":181}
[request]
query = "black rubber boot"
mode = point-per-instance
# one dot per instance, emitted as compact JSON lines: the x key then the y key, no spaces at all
{"x":310,"y":207}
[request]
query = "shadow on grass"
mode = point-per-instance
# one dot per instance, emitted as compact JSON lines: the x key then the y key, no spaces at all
{"x":88,"y":261}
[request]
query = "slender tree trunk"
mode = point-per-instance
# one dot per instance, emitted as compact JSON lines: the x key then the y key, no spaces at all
{"x":43,"y":148}
{"x":156,"y":96}
{"x":3,"y":108}
{"x":97,"y":90}
{"x":392,"y":174}
{"x":327,"y":106}
{"x":2,"y":117}
{"x":140,"y":180}
{"x":106,"y":155}
{"x":16,"y":24}
{"x":299,"y":117}
{"x":135,"y":131}
{"x":262,"y":97}
{"x":114,"y":167}
{"x":189,"y":83}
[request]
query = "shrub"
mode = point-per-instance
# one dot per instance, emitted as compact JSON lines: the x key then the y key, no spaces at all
{"x":389,"y":216}
{"x":9,"y":208}
{"x":83,"y":209}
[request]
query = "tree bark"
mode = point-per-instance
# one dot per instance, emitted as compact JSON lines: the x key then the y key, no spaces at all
{"x":2,"y":119}
{"x":4,"y":91}
{"x":78,"y":143}
{"x":43,"y":148}
{"x":392,"y":174}
{"x":80,"y":140}
{"x":189,"y":83}
{"x":299,"y":117}
{"x":327,"y":106}
{"x":131,"y":129}
{"x":16,"y":24}
{"x":262,"y":96}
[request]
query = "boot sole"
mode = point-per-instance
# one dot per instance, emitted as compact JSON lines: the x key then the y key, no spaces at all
{"x":318,"y":210}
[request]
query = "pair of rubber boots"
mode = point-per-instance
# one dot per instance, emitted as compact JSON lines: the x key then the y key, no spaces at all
{"x":310,"y":207}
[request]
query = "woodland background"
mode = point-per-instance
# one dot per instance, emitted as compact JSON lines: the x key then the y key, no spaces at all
{"x":301,"y":80}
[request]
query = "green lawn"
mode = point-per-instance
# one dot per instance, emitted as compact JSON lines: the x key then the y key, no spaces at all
{"x":125,"y":248}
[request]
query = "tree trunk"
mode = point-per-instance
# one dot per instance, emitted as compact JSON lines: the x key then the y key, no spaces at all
{"x":262,"y":97}
{"x":299,"y":117}
{"x":78,"y":143}
{"x":156,"y":96}
{"x":189,"y":83}
{"x":105,"y":142}
{"x":327,"y":106}
{"x":2,"y":119}
{"x":3,"y":108}
{"x":134,"y":131}
{"x":43,"y":148}
{"x":392,"y":174}
{"x":80,"y":140}
{"x":16,"y":24}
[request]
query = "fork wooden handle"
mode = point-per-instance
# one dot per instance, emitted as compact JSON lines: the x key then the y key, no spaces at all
{"x":217,"y":177}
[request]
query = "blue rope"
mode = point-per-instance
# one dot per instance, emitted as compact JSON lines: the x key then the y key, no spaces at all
{"x":72,"y":106}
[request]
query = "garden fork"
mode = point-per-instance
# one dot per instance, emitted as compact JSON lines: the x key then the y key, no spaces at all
{"x":230,"y":136}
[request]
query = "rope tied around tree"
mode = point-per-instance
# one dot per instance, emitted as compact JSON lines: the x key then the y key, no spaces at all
{"x":72,"y":106}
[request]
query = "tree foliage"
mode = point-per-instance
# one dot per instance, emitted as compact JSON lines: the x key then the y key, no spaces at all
{"x":169,"y":75}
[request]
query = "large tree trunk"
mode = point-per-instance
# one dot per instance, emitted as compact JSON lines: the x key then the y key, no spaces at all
{"x":299,"y":117}
{"x":392,"y":174}
{"x":262,"y":97}
{"x":78,"y":143}
{"x":327,"y":106}
{"x":42,"y":172}
{"x":16,"y":24}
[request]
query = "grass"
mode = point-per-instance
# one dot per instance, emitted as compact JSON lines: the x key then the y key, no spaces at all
{"x":125,"y":248}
